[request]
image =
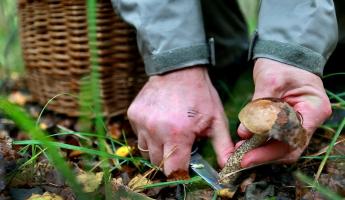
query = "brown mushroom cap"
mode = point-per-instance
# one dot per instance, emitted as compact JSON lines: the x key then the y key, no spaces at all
{"x":259,"y":116}
{"x":276,"y":119}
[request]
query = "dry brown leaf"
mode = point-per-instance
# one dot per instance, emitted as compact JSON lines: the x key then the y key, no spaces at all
{"x":137,"y":182}
{"x":45,"y":196}
{"x":178,"y":175}
{"x":114,"y":130}
{"x":75,"y":153}
{"x":247,"y":182}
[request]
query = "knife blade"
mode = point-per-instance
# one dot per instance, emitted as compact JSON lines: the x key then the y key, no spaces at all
{"x":205,"y":171}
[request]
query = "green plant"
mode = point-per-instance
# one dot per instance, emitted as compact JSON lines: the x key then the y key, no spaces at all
{"x":322,"y":189}
{"x":24,"y":121}
{"x":10,"y":50}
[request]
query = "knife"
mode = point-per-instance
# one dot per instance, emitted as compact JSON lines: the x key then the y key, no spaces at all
{"x":205,"y":171}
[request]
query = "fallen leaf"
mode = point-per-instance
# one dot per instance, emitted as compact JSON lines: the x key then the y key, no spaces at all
{"x":45,"y":196}
{"x":226,"y":193}
{"x":43,"y":126}
{"x":123,"y":151}
{"x":200,"y":194}
{"x":75,"y":153}
{"x":122,"y":192}
{"x":90,"y":181}
{"x":137,"y":182}
{"x":246,"y":182}
{"x":114,"y":130}
{"x":18,"y":98}
{"x":117,"y":181}
{"x":178,"y":175}
{"x":259,"y":190}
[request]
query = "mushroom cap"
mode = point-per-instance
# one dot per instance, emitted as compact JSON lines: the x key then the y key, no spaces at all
{"x":275,"y":118}
{"x":259,"y":115}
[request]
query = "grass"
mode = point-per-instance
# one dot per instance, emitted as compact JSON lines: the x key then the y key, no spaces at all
{"x":95,"y":86}
{"x":322,"y":189}
{"x":23,"y":120}
{"x":10,"y":51}
{"x":330,"y":147}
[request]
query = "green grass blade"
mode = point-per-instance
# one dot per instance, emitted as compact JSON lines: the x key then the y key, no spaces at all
{"x":23,"y":120}
{"x":329,"y":149}
{"x":323,"y":190}
{"x":82,"y":135}
{"x":333,"y":74}
{"x":83,"y":149}
{"x":172,"y":183}
{"x":333,"y":157}
{"x":95,"y":83}
{"x":341,"y":94}
{"x":338,"y":98}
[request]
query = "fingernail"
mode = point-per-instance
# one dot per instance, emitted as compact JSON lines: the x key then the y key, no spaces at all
{"x":242,"y":128}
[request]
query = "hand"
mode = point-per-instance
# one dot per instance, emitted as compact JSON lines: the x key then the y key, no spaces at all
{"x":301,"y":89}
{"x":172,"y":110}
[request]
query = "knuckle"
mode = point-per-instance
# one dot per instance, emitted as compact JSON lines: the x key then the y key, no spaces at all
{"x":273,"y":83}
{"x":175,"y":128}
{"x":326,"y":108}
{"x":131,"y":112}
{"x":151,"y":124}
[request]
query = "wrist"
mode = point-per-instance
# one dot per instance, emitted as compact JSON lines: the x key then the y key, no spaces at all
{"x":196,"y":72}
{"x":277,"y":78}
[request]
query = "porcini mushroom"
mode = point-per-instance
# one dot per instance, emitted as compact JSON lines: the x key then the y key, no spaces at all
{"x":266,"y":118}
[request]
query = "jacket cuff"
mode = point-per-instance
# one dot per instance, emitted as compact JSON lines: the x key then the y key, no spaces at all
{"x":176,"y":59}
{"x":291,"y":54}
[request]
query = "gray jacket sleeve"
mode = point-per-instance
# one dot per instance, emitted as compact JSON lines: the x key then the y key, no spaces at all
{"x":170,"y":34}
{"x":299,"y":33}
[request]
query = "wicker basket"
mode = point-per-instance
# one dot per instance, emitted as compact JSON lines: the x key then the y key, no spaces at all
{"x":56,"y":54}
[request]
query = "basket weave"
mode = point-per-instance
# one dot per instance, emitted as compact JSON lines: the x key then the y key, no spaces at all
{"x":54,"y":39}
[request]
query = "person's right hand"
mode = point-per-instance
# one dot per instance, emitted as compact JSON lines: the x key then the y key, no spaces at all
{"x":172,"y":110}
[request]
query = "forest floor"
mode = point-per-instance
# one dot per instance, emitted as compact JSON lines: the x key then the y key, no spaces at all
{"x":26,"y":171}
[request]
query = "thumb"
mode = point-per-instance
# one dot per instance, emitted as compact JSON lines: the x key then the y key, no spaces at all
{"x":221,"y":140}
{"x":243,"y":132}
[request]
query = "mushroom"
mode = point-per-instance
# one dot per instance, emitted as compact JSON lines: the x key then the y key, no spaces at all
{"x":266,"y":118}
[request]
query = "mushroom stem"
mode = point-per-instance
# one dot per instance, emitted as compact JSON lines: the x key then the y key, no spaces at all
{"x":234,"y":162}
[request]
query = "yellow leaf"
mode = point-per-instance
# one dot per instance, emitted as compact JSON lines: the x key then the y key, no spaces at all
{"x":90,"y":181}
{"x":43,"y":126}
{"x":123,"y":151}
{"x":45,"y":196}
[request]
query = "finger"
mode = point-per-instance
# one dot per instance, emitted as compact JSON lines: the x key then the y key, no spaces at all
{"x":292,"y":156}
{"x":239,"y":143}
{"x":176,"y":157}
{"x":272,"y":151}
{"x":221,"y":141}
{"x":142,"y":146}
{"x":243,"y":132}
{"x":155,"y":151}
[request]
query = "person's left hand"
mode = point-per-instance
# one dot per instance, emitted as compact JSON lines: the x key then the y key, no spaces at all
{"x":301,"y":89}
